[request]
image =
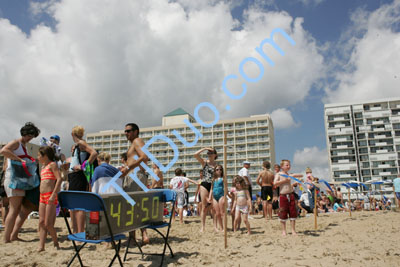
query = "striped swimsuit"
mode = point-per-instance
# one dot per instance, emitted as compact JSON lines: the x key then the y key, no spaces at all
{"x":47,"y":174}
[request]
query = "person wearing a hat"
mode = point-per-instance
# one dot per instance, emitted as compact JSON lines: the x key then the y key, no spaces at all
{"x":55,"y":139}
{"x":244,"y":172}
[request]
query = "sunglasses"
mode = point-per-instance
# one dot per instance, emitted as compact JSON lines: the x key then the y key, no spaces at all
{"x":128,"y":131}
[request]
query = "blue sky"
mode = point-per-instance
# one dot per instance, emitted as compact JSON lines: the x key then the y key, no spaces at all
{"x":69,"y":47}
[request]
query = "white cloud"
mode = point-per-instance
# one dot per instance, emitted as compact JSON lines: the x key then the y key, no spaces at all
{"x":107,"y":63}
{"x":372,"y":70}
{"x":315,"y":158}
{"x":311,"y":2}
{"x":282,"y":119}
{"x":37,"y":8}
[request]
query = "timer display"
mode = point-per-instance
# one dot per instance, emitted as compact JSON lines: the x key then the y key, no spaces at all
{"x":124,"y":217}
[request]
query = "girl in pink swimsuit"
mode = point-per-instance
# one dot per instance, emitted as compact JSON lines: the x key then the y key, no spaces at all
{"x":49,"y":188}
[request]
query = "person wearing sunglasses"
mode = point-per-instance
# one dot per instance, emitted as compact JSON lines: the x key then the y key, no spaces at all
{"x":208,"y":167}
{"x":217,"y":197}
{"x":129,"y":185}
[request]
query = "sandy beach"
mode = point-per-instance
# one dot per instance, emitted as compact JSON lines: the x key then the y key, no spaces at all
{"x":365,"y":239}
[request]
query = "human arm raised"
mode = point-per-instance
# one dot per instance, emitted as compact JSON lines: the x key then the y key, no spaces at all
{"x":279,"y":180}
{"x":199,"y":158}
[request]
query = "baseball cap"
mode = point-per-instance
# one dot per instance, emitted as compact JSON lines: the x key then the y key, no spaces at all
{"x":246,"y":162}
{"x":56,"y":137}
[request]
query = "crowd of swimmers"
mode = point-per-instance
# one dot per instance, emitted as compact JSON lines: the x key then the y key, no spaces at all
{"x":279,"y":194}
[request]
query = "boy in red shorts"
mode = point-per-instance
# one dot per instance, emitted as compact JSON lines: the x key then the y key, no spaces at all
{"x":287,"y":205}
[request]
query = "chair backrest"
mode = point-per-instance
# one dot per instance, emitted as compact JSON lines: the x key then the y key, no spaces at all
{"x":78,"y":200}
{"x":169,"y":195}
{"x":101,"y":182}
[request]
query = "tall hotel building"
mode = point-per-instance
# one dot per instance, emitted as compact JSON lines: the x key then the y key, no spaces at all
{"x":363,"y":140}
{"x":250,"y":138}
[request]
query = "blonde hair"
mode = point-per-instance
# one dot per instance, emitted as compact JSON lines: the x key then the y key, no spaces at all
{"x":78,"y":131}
{"x":104,"y":156}
{"x":284,"y":160}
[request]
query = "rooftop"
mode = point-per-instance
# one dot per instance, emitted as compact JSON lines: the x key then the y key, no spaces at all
{"x":176,"y":112}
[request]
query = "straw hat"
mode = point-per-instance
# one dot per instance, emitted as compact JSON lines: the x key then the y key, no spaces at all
{"x":308,"y":169}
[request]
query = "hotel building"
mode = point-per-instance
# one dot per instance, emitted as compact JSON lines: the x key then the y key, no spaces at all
{"x":363,"y":140}
{"x":250,"y":138}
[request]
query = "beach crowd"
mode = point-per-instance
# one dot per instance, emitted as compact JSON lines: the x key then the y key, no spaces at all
{"x":286,"y":195}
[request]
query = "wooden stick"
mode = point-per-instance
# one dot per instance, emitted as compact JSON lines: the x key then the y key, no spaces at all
{"x":370,"y":199}
{"x":315,"y":209}
{"x":225,"y":193}
{"x":349,"y":201}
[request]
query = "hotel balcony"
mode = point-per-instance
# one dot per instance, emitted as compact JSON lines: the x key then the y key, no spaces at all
{"x":340,"y":119}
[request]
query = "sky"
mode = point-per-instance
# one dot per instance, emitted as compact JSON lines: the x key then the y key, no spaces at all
{"x":101,"y":64}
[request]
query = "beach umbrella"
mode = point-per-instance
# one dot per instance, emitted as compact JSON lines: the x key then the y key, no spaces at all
{"x":364,"y":185}
{"x":326,"y":184}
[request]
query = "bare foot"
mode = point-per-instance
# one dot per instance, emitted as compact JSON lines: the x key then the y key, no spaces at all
{"x":16,"y":239}
{"x":294,"y":233}
{"x":57,"y":246}
{"x":40,"y":249}
{"x":201,"y":230}
{"x":248,"y":233}
{"x":283,"y":233}
{"x":145,"y":241}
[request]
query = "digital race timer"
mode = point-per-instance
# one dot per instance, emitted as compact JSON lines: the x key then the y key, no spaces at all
{"x":124,"y":217}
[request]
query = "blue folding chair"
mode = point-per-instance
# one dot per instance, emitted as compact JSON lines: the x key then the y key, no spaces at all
{"x":87,"y":201}
{"x":168,"y":196}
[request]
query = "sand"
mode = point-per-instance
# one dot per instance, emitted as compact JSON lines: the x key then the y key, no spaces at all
{"x":365,"y":239}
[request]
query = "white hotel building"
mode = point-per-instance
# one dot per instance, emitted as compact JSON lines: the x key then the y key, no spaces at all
{"x":250,"y":138}
{"x":363,"y":140}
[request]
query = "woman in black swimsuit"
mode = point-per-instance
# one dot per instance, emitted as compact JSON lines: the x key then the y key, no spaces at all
{"x":208,"y":167}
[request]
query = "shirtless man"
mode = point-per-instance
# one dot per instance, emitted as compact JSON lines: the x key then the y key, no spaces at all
{"x":132,"y":134}
{"x":287,"y":204}
{"x":265,"y":180}
{"x":160,"y":183}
